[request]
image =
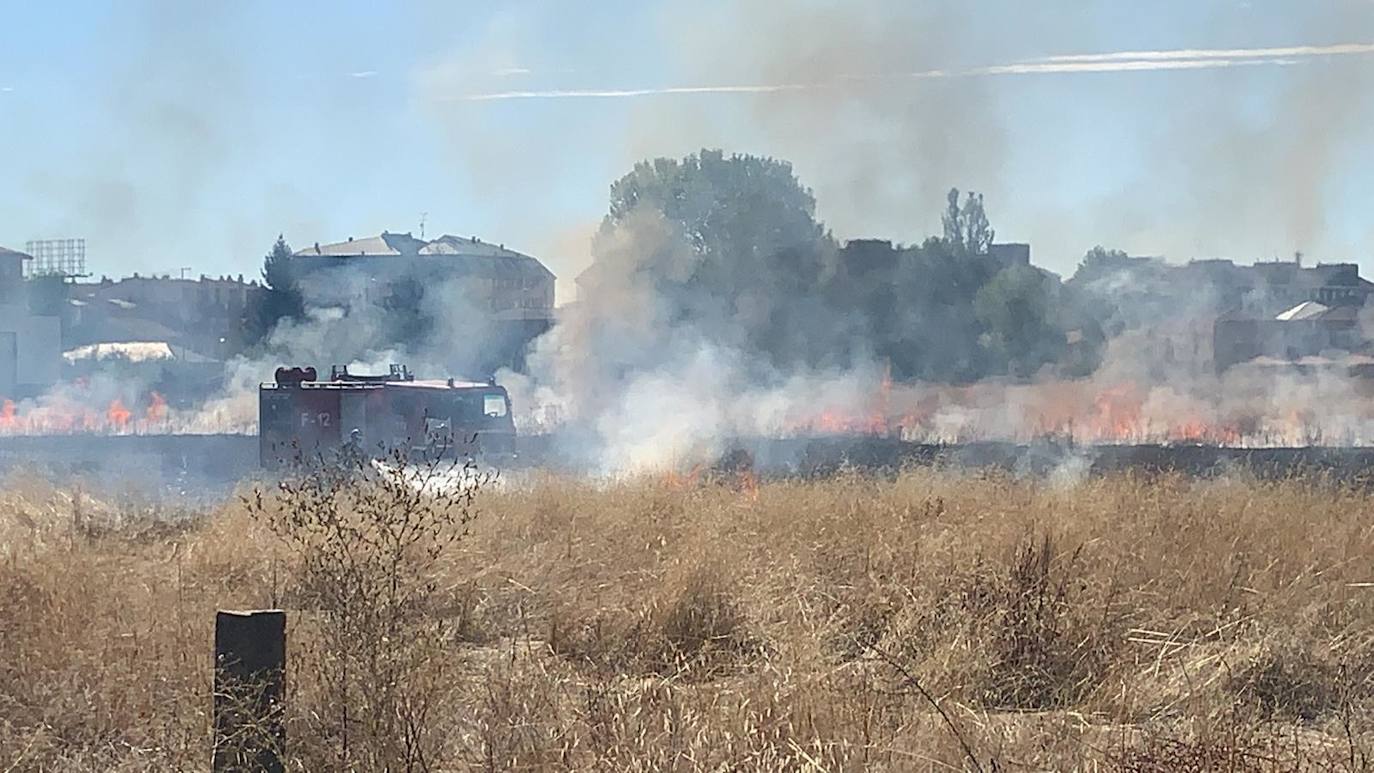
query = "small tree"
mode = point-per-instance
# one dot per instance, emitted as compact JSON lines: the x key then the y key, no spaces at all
{"x":967,"y":226}
{"x":281,"y":296}
{"x":952,"y":220}
{"x":366,"y":540}
{"x":978,"y":233}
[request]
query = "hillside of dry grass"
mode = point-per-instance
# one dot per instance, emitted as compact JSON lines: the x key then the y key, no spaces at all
{"x":929,"y":622}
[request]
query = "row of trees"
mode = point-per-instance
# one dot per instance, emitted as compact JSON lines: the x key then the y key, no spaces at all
{"x":733,"y":250}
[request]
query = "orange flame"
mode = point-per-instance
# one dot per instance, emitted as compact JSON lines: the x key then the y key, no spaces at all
{"x":1118,"y":414}
{"x":749,"y":485}
{"x":116,"y":414}
{"x":672,"y":479}
{"x":874,"y":420}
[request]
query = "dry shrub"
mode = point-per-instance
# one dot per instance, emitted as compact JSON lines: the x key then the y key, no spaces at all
{"x":695,"y":627}
{"x":700,"y":627}
{"x":515,"y":717}
{"x":1047,"y":647}
{"x":1022,"y":635}
{"x":1235,"y":748}
{"x":1289,"y":681}
{"x":862,"y":624}
{"x":364,"y":540}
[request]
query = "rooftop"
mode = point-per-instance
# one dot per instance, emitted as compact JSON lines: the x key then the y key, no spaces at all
{"x":385,"y":243}
{"x":1307,"y":311}
{"x":1304,"y":310}
{"x":497,"y":258}
{"x":134,"y":351}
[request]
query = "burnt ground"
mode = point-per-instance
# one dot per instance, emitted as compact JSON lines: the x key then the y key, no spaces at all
{"x":820,"y":456}
{"x":195,"y":466}
{"x":212,"y":464}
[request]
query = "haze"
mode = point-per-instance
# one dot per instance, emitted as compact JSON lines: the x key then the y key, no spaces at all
{"x":172,"y":136}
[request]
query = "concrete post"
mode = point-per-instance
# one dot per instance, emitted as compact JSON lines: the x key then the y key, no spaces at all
{"x":250,"y":689}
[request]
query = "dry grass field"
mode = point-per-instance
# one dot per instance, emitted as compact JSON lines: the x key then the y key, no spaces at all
{"x":934,"y":621}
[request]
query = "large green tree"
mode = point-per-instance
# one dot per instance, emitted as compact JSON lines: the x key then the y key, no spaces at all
{"x":729,"y":245}
{"x":1017,"y":309}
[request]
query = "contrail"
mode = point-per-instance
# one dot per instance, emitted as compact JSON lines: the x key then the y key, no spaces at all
{"x":1039,"y":68}
{"x":1340,"y":49}
{"x":646,"y":92}
{"x":1119,"y":61}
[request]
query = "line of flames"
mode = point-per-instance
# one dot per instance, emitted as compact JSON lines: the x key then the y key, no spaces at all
{"x":1114,"y":414}
{"x":1081,"y":413}
{"x":67,"y":417}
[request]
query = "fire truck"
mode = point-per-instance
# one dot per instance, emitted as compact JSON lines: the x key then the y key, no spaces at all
{"x":303,"y":417}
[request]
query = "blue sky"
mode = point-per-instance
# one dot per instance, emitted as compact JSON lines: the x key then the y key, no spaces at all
{"x":178,"y":135}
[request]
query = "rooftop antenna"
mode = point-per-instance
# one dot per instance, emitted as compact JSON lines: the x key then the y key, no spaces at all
{"x":183,"y":270}
{"x":423,"y":215}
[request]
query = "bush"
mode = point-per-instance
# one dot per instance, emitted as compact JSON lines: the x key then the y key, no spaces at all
{"x":365,"y":541}
{"x":1046,"y":650}
{"x":1286,"y":681}
{"x":695,"y":629}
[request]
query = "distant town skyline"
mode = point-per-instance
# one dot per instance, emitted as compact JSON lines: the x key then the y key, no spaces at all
{"x":172,"y":136}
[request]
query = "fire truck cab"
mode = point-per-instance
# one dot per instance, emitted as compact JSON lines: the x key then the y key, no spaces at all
{"x":300,"y":416}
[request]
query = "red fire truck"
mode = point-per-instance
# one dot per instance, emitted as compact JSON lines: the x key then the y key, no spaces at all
{"x":300,"y":416}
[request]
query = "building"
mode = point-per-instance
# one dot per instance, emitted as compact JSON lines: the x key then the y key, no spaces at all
{"x":30,"y":344}
{"x":1209,"y":315}
{"x":506,"y":296}
{"x":1309,"y":329}
{"x":1146,"y":285}
{"x":205,"y":314}
{"x":1010,"y":253}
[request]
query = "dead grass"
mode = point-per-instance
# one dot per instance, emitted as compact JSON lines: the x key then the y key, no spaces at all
{"x":929,"y":622}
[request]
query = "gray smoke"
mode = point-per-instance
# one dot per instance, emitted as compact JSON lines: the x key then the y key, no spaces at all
{"x":442,"y":330}
{"x":1250,"y":163}
{"x":880,"y":150}
{"x":1239,"y":170}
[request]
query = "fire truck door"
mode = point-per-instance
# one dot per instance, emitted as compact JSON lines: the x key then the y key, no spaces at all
{"x":353,"y":414}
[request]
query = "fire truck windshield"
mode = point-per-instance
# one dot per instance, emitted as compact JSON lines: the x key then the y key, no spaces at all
{"x":480,"y":407}
{"x":494,"y":405}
